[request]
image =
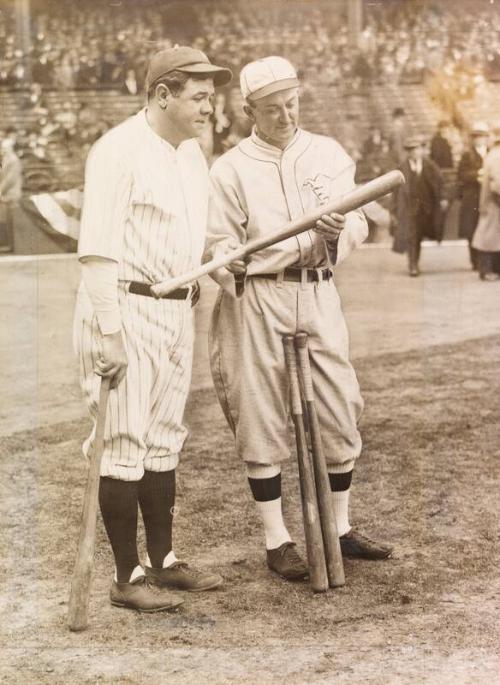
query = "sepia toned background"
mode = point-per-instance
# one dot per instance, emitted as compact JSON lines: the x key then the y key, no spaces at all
{"x":425,"y":349}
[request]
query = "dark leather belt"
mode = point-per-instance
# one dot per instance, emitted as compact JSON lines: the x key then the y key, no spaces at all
{"x":138,"y":288}
{"x":312,"y":275}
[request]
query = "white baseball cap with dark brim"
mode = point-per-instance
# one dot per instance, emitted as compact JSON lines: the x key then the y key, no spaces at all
{"x":265,"y":76}
{"x":187,"y":60}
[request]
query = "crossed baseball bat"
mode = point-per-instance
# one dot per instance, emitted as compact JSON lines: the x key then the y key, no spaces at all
{"x":325,"y":560}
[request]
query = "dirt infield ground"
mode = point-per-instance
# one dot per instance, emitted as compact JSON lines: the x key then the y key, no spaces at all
{"x":427,"y":483}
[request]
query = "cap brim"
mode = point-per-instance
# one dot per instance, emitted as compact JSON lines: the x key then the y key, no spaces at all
{"x":220,"y":75}
{"x":274,"y":87}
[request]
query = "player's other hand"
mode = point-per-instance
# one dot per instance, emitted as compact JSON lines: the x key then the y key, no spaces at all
{"x":239,"y":266}
{"x":113,"y":361}
{"x":330,"y":226}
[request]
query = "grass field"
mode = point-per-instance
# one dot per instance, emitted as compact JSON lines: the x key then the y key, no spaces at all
{"x":427,"y":483}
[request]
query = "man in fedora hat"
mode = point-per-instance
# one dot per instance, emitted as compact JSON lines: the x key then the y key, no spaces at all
{"x":468,"y":184}
{"x":144,"y":221}
{"x":486,"y":238}
{"x":279,"y":173}
{"x":419,"y":203}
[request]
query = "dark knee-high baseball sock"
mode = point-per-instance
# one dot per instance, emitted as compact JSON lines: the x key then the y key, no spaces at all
{"x":265,"y":484}
{"x":340,"y":484}
{"x":118,"y":503}
{"x":157,"y":499}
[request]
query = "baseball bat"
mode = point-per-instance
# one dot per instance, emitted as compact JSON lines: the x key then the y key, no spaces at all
{"x":318,"y":575}
{"x":331,"y":542}
{"x":78,"y":606}
{"x":360,"y":196}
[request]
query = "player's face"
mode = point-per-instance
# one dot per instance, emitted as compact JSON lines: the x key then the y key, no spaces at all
{"x":191,"y":109}
{"x":416,"y":153}
{"x":276,"y":116}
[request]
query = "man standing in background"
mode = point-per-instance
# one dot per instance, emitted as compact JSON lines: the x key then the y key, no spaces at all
{"x":11,"y":184}
{"x":419,"y":203}
{"x":469,"y":176}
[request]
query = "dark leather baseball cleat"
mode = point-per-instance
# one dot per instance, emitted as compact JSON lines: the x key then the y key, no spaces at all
{"x":181,"y":576}
{"x":286,"y":562}
{"x":354,"y":544}
{"x":141,"y":596}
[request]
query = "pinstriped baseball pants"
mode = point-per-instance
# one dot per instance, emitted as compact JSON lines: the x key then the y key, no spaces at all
{"x":144,"y":429}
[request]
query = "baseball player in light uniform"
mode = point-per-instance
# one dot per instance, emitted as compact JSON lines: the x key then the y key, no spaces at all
{"x":278,"y":174}
{"x":144,"y":220}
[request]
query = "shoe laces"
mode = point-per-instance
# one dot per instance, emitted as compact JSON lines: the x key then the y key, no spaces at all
{"x":291,"y":551}
{"x":188,"y":570}
{"x":362,"y":537}
{"x":147,"y":584}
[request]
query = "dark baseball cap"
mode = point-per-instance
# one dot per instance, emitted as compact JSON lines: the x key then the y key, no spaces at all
{"x":188,"y":60}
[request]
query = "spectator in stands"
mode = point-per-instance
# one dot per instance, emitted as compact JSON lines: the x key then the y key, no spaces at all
{"x":241,"y":126}
{"x":10,"y":192}
{"x":397,"y":134}
{"x":419,"y":203}
{"x":469,"y":176}
{"x":373,"y":144}
{"x":487,"y":235}
{"x":221,"y":123}
{"x":130,"y":86}
{"x":441,"y":152}
{"x":67,"y":120}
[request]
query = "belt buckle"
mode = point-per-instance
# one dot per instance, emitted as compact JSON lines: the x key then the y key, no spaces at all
{"x":319,"y":275}
{"x":190,"y":289}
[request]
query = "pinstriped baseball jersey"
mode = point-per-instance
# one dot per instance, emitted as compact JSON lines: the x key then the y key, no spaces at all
{"x":145,"y":206}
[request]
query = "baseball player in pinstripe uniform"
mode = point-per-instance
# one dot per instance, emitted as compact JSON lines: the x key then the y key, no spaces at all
{"x":144,"y":220}
{"x":278,"y":174}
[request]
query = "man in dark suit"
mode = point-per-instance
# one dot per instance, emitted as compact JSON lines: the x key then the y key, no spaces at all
{"x":469,"y":176}
{"x":419,"y":203}
{"x":441,"y":153}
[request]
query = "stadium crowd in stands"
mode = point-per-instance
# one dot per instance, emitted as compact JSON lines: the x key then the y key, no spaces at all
{"x":85,"y":46}
{"x":97,"y":47}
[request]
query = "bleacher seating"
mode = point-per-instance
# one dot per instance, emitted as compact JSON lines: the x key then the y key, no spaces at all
{"x":322,"y":110}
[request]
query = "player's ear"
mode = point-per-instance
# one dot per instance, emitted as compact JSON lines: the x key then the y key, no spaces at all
{"x":249,"y":111}
{"x":162,"y":95}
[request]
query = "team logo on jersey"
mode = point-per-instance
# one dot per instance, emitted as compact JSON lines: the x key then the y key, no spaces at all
{"x":320,"y":185}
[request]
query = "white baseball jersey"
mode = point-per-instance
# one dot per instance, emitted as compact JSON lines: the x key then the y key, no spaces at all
{"x":145,"y":206}
{"x":258,"y":188}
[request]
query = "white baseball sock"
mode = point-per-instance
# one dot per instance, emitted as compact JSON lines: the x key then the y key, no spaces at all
{"x":341,"y":509}
{"x":167,"y":561}
{"x":340,"y":483}
{"x":274,"y":526}
{"x":265,"y":483}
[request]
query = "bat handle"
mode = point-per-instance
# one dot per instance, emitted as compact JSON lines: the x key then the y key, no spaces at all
{"x":291,"y":365}
{"x":301,"y":340}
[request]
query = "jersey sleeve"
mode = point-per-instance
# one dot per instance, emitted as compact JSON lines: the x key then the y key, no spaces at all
{"x":356,"y":225}
{"x":227,"y":221}
{"x":106,"y":200}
